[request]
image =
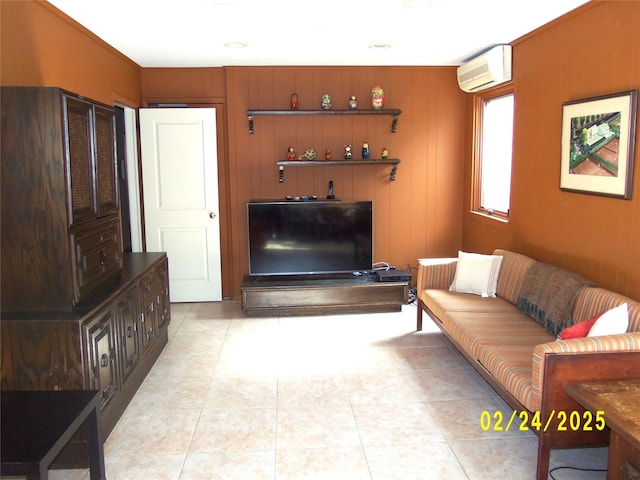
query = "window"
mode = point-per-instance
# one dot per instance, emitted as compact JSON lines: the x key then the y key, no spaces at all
{"x":493,"y":152}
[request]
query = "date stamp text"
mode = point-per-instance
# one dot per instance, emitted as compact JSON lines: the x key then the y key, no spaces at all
{"x":565,"y":421}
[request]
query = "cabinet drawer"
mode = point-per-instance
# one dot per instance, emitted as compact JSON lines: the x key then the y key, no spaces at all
{"x":96,"y":249}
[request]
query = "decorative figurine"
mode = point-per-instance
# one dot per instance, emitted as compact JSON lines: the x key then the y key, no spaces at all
{"x":330,"y":195}
{"x":353,"y":103}
{"x":377,"y":98}
{"x":326,"y":102}
{"x":291,"y":154}
{"x":365,"y":151}
{"x":309,"y":154}
{"x":347,"y":152}
{"x":327,"y":154}
{"x":294,"y":101}
{"x":384,"y":153}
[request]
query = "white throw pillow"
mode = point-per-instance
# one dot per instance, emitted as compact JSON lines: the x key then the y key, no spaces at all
{"x":477,"y":274}
{"x":611,"y":322}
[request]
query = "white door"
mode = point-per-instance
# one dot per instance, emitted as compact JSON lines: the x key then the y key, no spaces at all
{"x":180,"y":184}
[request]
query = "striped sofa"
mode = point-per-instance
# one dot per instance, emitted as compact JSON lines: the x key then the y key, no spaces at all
{"x":524,"y":363}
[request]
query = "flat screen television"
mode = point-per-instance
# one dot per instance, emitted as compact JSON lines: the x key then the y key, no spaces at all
{"x":309,"y":237}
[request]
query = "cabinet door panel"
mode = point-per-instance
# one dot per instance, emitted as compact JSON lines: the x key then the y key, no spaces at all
{"x":163,"y":307}
{"x":147,"y":312}
{"x":105,"y":158}
{"x":80,"y":175}
{"x":127,"y":320}
{"x":102,"y":355}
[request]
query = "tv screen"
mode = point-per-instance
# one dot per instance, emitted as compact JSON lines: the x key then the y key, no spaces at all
{"x":310,"y":237}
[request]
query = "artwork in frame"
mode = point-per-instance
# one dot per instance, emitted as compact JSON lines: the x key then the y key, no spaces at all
{"x":598,"y":143}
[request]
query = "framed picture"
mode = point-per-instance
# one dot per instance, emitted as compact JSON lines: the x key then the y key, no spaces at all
{"x":598,"y":142}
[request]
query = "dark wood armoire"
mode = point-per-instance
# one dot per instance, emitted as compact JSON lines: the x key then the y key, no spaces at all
{"x":77,"y":312}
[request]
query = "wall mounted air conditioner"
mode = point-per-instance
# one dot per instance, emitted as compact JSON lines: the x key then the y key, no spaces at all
{"x":486,"y":70}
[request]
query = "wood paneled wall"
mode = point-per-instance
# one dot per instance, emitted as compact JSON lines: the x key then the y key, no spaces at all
{"x":40,"y":46}
{"x":417,"y":215}
{"x":594,"y":51}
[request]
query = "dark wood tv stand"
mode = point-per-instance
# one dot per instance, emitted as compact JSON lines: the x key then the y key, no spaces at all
{"x":320,"y":294}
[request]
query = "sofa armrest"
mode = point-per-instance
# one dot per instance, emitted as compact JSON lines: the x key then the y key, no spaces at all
{"x":626,"y":342}
{"x":435,"y":273}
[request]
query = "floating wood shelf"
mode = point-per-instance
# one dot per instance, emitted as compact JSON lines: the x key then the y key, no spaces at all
{"x":395,"y":113}
{"x":322,"y":163}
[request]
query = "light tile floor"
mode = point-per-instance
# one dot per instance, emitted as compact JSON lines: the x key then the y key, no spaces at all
{"x":343,"y":397}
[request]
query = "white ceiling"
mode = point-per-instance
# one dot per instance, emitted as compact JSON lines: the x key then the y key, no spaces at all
{"x":192,"y":33}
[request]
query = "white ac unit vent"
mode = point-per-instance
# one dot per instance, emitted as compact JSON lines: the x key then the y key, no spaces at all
{"x":486,"y":70}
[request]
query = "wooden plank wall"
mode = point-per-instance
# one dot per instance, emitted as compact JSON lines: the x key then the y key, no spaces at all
{"x":416,"y":215}
{"x":41,"y":46}
{"x":594,"y":51}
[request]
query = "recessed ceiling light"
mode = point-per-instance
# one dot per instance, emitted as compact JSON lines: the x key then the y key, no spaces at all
{"x":379,"y":46}
{"x":236,"y":44}
{"x":417,"y":3}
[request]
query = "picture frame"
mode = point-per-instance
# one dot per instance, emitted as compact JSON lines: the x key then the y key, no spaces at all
{"x":598,"y":145}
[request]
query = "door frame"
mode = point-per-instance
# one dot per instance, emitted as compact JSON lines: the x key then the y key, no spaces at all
{"x":224,"y":199}
{"x":131,"y":153}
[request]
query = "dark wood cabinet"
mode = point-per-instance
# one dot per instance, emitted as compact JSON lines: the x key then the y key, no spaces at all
{"x":61,"y":240}
{"x":77,"y":312}
{"x":93,"y":347}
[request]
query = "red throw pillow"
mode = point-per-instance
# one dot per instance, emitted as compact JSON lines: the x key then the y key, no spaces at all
{"x":580,"y":329}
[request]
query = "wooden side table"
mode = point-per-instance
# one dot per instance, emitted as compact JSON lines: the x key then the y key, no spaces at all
{"x":36,"y":425}
{"x":620,"y":403}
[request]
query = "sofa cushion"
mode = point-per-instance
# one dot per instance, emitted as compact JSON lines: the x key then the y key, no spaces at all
{"x":476,"y":330}
{"x":611,"y":322}
{"x":512,"y":272}
{"x":439,"y":301}
{"x":578,"y":330}
{"x":593,"y":300}
{"x":476,"y":274}
{"x":511,"y":366}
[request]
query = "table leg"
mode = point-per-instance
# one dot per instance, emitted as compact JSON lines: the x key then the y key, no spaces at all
{"x":95,"y":449}
{"x":37,"y":472}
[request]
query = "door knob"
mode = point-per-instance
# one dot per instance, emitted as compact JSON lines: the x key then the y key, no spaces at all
{"x":212,"y":215}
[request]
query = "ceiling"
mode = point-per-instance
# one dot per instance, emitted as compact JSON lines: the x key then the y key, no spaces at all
{"x":193,"y":33}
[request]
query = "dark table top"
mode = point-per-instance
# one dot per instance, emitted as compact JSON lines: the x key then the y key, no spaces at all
{"x":34,"y":421}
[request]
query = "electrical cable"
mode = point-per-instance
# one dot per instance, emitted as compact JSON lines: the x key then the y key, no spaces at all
{"x":385,"y":266}
{"x":574,"y":468}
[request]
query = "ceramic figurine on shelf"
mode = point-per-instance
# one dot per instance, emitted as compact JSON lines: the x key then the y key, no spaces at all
{"x":294,"y":101}
{"x":377,"y":98}
{"x":327,"y":154}
{"x":384,"y":153}
{"x":291,"y":154}
{"x":347,"y":152}
{"x":309,"y":154}
{"x":353,"y":103}
{"x":365,"y":151}
{"x":326,"y":102}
